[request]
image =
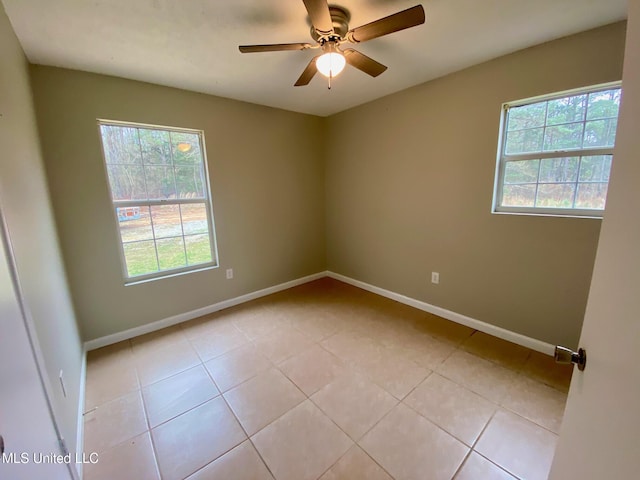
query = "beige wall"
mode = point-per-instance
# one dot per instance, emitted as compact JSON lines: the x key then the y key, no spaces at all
{"x":267,"y":181}
{"x":25,"y":204}
{"x":410,"y":183}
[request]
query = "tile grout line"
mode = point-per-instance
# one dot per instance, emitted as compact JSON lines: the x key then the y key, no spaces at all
{"x":444,"y":430}
{"x":473,"y":448}
{"x":200,"y":362}
{"x":313,"y":341}
{"x":153,"y":443}
{"x":355,"y":441}
{"x":358,"y":368}
{"x":146,"y":415}
{"x":264,"y":462}
{"x":248,"y":437}
{"x":431,"y":372}
{"x":355,"y":445}
{"x":382,"y":418}
{"x":307,"y":398}
{"x":246,"y":380}
{"x":508,"y":410}
{"x":499,"y":403}
{"x":182,"y":413}
{"x":457,"y":382}
{"x":138,"y":391}
{"x":276,"y":367}
{"x":464,"y":460}
{"x":498,"y":466}
{"x":229,"y":449}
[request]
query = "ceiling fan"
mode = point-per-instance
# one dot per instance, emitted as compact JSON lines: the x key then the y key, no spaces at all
{"x":330,"y":30}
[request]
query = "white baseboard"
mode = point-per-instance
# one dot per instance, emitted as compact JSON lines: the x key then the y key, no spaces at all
{"x":499,"y":332}
{"x":81,"y":404}
{"x":183,"y":317}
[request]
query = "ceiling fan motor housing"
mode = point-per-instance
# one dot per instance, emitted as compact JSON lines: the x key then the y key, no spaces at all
{"x":340,"y":18}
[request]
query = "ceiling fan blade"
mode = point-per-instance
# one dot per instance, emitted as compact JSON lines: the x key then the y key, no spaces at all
{"x":276,"y":47}
{"x":308,"y":73}
{"x":362,"y":62}
{"x":393,"y":23}
{"x":318,"y":11}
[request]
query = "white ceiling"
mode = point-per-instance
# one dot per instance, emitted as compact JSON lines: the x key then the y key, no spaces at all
{"x":193,"y":44}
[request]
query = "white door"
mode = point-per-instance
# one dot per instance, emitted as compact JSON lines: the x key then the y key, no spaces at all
{"x":600,"y":436}
{"x":26,"y":424}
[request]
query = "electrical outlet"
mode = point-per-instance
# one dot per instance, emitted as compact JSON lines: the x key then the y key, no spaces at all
{"x":435,"y":277}
{"x":229,"y":273}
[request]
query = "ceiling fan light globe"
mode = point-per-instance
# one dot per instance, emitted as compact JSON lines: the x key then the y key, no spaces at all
{"x":330,"y":64}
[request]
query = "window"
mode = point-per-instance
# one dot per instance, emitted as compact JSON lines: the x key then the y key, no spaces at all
{"x":159,"y":187}
{"x":555,"y":153}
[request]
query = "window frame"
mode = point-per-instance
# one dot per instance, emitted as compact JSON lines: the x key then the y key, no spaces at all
{"x":116,"y":204}
{"x":575,"y":152}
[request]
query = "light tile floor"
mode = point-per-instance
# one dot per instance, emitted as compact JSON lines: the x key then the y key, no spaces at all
{"x":322,"y":381}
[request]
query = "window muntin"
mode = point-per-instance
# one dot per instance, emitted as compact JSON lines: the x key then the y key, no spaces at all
{"x":555,"y":153}
{"x":158,"y":182}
